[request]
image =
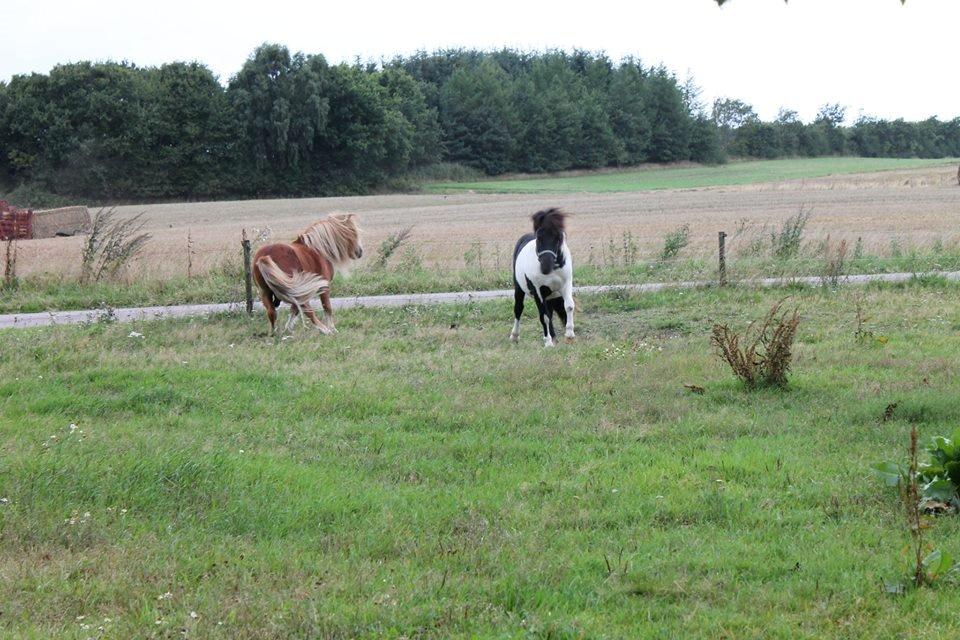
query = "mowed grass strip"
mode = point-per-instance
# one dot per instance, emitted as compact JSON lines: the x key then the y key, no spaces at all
{"x":417,"y":475}
{"x":649,"y":178}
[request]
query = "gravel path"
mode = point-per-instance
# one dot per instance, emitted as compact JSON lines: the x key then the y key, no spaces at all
{"x":23,"y":320}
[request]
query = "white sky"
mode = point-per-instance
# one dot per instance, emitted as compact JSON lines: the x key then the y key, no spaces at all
{"x":872,"y":55}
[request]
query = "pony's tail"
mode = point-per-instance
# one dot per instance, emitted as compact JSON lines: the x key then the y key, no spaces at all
{"x":297,"y":289}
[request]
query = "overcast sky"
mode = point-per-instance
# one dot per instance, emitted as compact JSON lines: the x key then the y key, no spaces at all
{"x":876,"y":56}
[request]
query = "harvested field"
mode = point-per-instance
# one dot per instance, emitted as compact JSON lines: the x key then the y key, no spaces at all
{"x":912,"y":207}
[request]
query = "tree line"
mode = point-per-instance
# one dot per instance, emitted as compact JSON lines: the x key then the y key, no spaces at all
{"x":293,"y":124}
{"x":743,"y":134}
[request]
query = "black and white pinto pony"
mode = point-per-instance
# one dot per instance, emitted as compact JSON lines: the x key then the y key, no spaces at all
{"x":542,"y":268}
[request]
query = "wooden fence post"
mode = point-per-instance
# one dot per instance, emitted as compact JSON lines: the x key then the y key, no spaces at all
{"x":723,"y":258}
{"x":247,"y":271}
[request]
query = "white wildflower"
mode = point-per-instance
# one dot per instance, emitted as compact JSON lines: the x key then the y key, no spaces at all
{"x":135,"y":334}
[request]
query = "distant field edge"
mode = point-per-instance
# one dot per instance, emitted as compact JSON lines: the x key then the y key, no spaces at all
{"x":687,"y":176}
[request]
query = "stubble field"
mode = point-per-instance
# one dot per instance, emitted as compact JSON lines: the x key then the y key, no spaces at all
{"x":911,"y":207}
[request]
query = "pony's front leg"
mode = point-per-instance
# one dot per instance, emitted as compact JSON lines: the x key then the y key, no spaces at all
{"x":327,"y":310}
{"x":546,"y":321}
{"x":518,"y":296}
{"x":568,"y":306}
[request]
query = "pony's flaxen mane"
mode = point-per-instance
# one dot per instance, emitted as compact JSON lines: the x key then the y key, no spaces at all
{"x":335,"y":238}
{"x":551,"y":218}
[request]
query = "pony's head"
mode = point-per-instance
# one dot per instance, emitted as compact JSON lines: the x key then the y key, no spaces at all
{"x":336,"y":237}
{"x":548,"y":227}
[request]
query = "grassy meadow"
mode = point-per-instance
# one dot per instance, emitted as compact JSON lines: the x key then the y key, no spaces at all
{"x":617,"y":261}
{"x":670,"y":177}
{"x":417,"y":475}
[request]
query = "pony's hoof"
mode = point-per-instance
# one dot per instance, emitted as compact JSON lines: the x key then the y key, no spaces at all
{"x":569,"y":339}
{"x":514,"y":338}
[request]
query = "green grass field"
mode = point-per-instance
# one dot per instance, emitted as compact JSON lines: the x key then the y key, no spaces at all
{"x":747,"y":172}
{"x":419,"y":476}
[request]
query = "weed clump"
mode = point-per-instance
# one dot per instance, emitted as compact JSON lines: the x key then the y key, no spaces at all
{"x":390,"y":245}
{"x":110,"y":245}
{"x":786,"y":242}
{"x":834,"y":264}
{"x":675,"y":242}
{"x":763,"y":353}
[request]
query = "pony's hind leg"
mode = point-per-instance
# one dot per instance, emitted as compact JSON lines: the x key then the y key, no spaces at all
{"x":560,"y":307}
{"x":327,"y":310}
{"x":310,"y":313}
{"x":546,"y":318}
{"x":292,"y":320}
{"x":518,"y":297}
{"x":271,"y":311}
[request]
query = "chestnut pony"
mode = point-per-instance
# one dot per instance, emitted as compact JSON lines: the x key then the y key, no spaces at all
{"x":297,"y":271}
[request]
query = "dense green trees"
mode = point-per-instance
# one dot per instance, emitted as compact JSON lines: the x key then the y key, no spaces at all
{"x":292,"y":124}
{"x":786,"y":136}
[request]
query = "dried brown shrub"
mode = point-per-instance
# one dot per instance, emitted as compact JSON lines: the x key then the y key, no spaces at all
{"x":834,"y":262}
{"x":10,"y":264}
{"x":762,"y":354}
{"x":110,"y":245}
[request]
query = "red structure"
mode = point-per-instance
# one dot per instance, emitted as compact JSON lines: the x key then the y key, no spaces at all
{"x":15,"y":224}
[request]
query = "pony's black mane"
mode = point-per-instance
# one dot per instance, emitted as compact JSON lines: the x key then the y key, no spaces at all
{"x":551,"y":219}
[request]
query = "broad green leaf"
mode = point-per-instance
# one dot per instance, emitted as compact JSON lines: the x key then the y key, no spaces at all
{"x":891,"y":472}
{"x":939,"y":489}
{"x":952,"y":471}
{"x":937,"y":563}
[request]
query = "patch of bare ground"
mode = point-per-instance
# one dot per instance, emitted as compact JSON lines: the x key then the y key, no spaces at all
{"x":913,"y":207}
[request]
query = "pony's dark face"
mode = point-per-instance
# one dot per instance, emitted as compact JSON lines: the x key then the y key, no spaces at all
{"x":549,"y":244}
{"x":548,"y":228}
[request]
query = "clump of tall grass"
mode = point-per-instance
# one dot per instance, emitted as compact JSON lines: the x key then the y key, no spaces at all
{"x":110,"y":245}
{"x":624,"y":253}
{"x":785,"y":242}
{"x":675,"y":242}
{"x":834,"y":262}
{"x":390,"y":245}
{"x":762,"y":354}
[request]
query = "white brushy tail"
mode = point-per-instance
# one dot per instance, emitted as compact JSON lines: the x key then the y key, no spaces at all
{"x":297,"y":288}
